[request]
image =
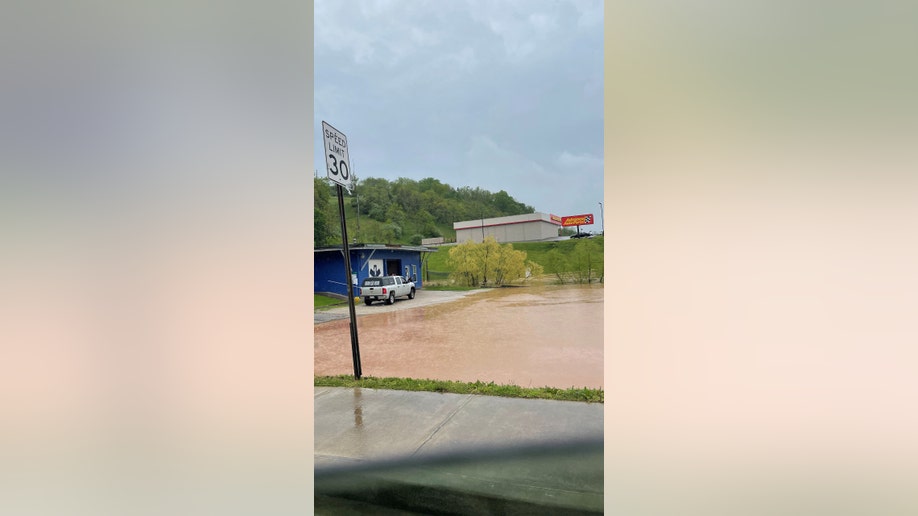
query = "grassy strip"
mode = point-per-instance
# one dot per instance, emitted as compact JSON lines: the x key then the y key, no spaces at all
{"x":487,"y":389}
{"x":325,"y":301}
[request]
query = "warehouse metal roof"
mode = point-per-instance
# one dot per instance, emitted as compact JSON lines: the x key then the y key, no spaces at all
{"x":390,"y":247}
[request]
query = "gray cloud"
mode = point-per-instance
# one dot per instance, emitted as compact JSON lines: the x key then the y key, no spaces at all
{"x":502,"y":95}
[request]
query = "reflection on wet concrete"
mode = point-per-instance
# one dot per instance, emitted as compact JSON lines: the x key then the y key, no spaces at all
{"x":529,"y":336}
{"x":358,"y":409}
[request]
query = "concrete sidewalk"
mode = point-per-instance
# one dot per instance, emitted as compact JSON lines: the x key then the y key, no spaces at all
{"x":403,"y":437}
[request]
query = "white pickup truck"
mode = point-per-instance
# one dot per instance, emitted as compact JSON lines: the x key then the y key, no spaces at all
{"x":386,"y":288}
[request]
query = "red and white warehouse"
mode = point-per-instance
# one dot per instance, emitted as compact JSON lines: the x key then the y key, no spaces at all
{"x":515,"y":228}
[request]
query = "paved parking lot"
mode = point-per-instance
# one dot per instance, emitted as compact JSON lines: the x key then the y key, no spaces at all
{"x":423,"y":298}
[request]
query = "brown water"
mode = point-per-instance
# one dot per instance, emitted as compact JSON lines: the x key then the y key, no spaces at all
{"x":528,"y":336}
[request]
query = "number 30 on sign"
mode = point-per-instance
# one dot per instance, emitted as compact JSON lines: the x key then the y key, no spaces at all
{"x":336,"y":157}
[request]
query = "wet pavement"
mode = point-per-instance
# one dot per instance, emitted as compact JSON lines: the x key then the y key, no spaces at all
{"x":423,"y":298}
{"x":531,"y":336}
{"x":518,"y":456}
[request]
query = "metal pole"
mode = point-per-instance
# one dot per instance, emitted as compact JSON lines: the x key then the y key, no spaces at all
{"x":482,"y":227}
{"x":357,"y":232}
{"x":355,"y":346}
{"x":601,"y":220}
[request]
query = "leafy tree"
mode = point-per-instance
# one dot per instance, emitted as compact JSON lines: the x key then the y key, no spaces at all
{"x":506,"y":204}
{"x":392,"y":232}
{"x":463,"y":259}
{"x":430,"y":230}
{"x":557,"y":263}
{"x":533,"y":270}
{"x":586,"y":261}
{"x":396,"y":215}
{"x":510,"y":264}
{"x":375,"y":198}
{"x":488,"y":262}
{"x":488,"y":256}
{"x":324,"y":215}
{"x":434,"y":186}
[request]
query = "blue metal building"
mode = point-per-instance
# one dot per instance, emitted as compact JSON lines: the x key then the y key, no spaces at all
{"x":367,"y":260}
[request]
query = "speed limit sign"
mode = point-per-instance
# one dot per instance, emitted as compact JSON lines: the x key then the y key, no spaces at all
{"x":336,"y":158}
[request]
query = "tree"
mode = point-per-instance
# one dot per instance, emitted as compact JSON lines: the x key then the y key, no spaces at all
{"x":488,"y":262}
{"x":488,"y":257}
{"x":557,"y":264}
{"x":586,"y":259}
{"x":396,"y":214}
{"x":392,"y":232}
{"x":375,"y":198}
{"x":510,"y":265}
{"x":324,"y":215}
{"x":464,"y":261}
{"x":533,"y":270}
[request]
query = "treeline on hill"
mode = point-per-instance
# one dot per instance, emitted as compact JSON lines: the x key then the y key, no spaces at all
{"x":404,"y":211}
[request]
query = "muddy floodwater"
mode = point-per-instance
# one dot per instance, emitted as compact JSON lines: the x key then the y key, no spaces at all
{"x":532,"y":336}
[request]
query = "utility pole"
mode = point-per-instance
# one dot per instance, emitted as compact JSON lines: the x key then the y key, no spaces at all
{"x":357,"y":232}
{"x":602,"y":228}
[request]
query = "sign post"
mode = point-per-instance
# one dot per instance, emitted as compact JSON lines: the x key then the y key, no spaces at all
{"x":577,"y":220}
{"x":339,"y":172}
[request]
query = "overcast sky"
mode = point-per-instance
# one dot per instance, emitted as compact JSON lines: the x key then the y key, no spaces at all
{"x":502,"y":95}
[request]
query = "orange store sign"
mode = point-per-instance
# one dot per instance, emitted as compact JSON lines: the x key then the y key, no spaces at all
{"x":577,"y":220}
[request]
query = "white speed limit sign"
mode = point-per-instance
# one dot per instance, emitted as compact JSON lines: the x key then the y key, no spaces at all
{"x":336,"y":158}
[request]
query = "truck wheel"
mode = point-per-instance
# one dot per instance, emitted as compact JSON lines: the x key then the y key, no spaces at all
{"x":368,"y":301}
{"x":391,"y":298}
{"x":411,"y":294}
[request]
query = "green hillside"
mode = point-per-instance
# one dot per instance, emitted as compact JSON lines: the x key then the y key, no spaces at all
{"x":375,"y":232}
{"x":404,"y":211}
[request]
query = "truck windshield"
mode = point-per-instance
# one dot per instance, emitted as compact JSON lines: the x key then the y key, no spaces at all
{"x":372,"y":282}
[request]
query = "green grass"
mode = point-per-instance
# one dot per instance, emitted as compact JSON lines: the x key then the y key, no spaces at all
{"x":538,"y":251}
{"x":481,"y":388}
{"x":325,"y":301}
{"x":436,"y":261}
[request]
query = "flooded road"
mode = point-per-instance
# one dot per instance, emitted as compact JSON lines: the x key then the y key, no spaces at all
{"x":531,"y":336}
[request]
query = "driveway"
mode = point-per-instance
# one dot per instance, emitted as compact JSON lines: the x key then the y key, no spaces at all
{"x":423,"y":298}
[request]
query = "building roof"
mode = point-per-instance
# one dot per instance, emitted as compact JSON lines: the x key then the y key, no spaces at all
{"x":389,"y":247}
{"x":512,"y":219}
